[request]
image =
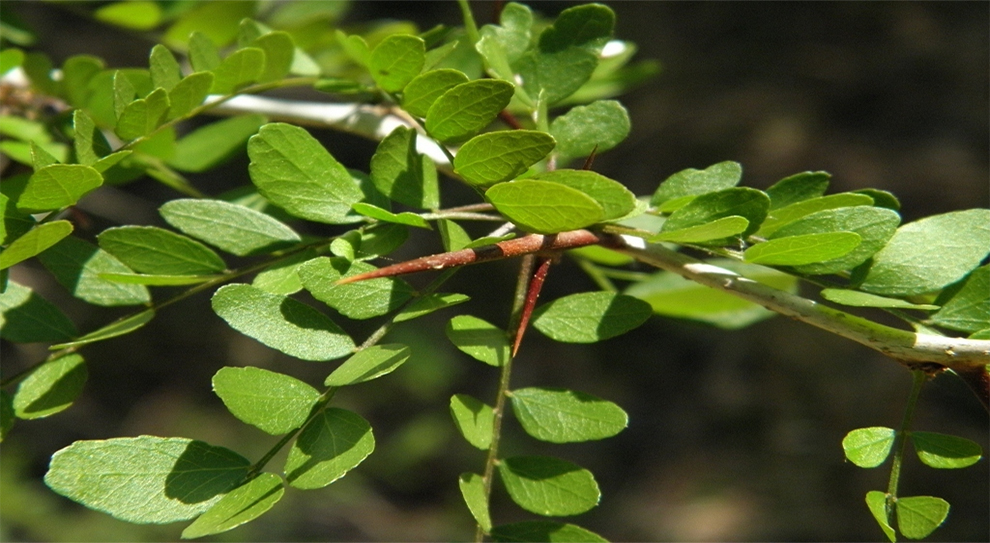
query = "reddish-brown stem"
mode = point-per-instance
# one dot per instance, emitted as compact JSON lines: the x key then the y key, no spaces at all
{"x":532,"y":293}
{"x":510,"y":119}
{"x":534,"y":243}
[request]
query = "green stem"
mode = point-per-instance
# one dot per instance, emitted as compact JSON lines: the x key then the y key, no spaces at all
{"x":901,"y":439}
{"x":470,"y":26}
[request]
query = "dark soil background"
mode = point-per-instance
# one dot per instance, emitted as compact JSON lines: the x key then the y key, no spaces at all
{"x":734,"y":435}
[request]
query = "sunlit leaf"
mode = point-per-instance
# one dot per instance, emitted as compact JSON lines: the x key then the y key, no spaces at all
{"x":77,"y":265}
{"x":868,"y":447}
{"x":369,"y":363}
{"x":117,"y":328}
{"x":802,"y":249}
{"x":691,"y":182}
{"x":34,"y":242}
{"x":211,"y":145}
{"x":242,"y":504}
{"x":745,"y":202}
{"x":425,"y":88}
{"x":50,"y":387}
{"x":596,"y":127}
{"x":332,"y":444}
{"x":153,"y":250}
{"x":919,"y":516}
{"x":792,"y":212}
{"x":425,"y":305}
{"x":590,"y":316}
{"x":549,"y":486}
{"x":473,"y":491}
{"x":466,"y":109}
{"x":544,"y":207}
{"x":565,"y":416}
{"x":500,"y":156}
{"x":58,"y":186}
{"x":479,"y":339}
{"x":231,"y":227}
{"x":877,"y":502}
{"x":136,"y":15}
{"x":142,"y":116}
{"x":944,"y":451}
{"x":274,"y":402}
{"x":544,"y":530}
{"x":798,"y":187}
{"x":402,"y":173}
{"x":967,"y":308}
{"x":474,"y":419}
{"x":856,"y":298}
{"x":396,"y":60}
{"x":26,"y":317}
{"x":361,"y":300}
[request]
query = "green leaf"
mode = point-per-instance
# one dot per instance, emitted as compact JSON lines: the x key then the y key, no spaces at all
{"x":109,"y":161}
{"x":216,"y":20}
{"x":544,"y":207}
{"x":369,"y":363}
{"x":274,"y":402}
{"x":26,"y":317}
{"x":405,"y":218}
{"x":556,"y":74}
{"x":691,"y":182}
{"x":615,"y":200}
{"x":14,"y":223}
{"x":474,"y":419}
{"x":9,"y":59}
{"x":590,"y":316}
{"x":425,"y":88}
{"x":565,"y":416}
{"x":549,"y":486}
{"x":189,"y":94}
{"x":854,"y":298}
{"x":142,"y":116}
{"x":77,"y":265}
{"x":745,"y":202}
{"x":919,"y":516}
{"x":479,"y":339}
{"x":34,"y":242}
{"x":213,"y":144}
{"x":718,"y":229}
{"x":117,"y":328}
{"x":88,"y":142}
{"x":77,"y":73}
{"x":135,"y":15}
{"x":514,"y":32}
{"x":50,"y":387}
{"x":241,"y":68}
{"x":165,"y":72}
{"x":153,"y":250}
{"x":881,"y":198}
{"x":473,"y":491}
{"x":425,"y":305}
{"x":467,"y":109}
{"x":802,"y":249}
{"x":203,"y":53}
{"x":58,"y":186}
{"x":790,"y":213}
{"x":968,"y":308}
{"x":281,"y":323}
{"x":396,"y":60}
{"x":544,"y":530}
{"x":673,"y":296}
{"x":868,"y":447}
{"x":355,"y":47}
{"x":123,"y":93}
{"x":282,"y":277}
{"x":279,"y":52}
{"x":146,"y":479}
{"x":241,"y":505}
{"x":233,"y":228}
{"x":400,"y":172}
{"x":361,"y":300}
{"x":332,"y":444}
{"x":500,"y":156}
{"x":875,"y":226}
{"x":597,"y":127}
{"x":293,"y":171}
{"x":930,"y":253}
{"x":877,"y":502}
{"x":944,"y":451}
{"x":797,"y":188}
{"x":158,"y":280}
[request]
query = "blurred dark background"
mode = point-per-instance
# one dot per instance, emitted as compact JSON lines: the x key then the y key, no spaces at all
{"x":734,"y":435}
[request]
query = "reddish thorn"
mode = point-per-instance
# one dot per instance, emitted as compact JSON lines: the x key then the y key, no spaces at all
{"x":535,"y":286}
{"x":591,"y":159}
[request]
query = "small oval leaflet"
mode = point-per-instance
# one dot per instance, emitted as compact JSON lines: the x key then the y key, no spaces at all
{"x":332,"y":444}
{"x":153,"y":250}
{"x":425,"y":88}
{"x":473,"y":491}
{"x":233,"y":228}
{"x":614,"y":198}
{"x":51,"y":387}
{"x":500,"y":156}
{"x":565,"y":416}
{"x":918,"y":516}
{"x":474,"y":418}
{"x":274,"y":402}
{"x":281,"y":323}
{"x":590,"y":316}
{"x":479,"y":339}
{"x":544,"y":530}
{"x":243,"y":504}
{"x":868,"y":447}
{"x":396,"y":60}
{"x":944,"y":451}
{"x":26,"y":317}
{"x":467,"y":109}
{"x":802,"y":249}
{"x":369,"y":363}
{"x":146,"y":479}
{"x":544,"y":207}
{"x":361,"y":300}
{"x":549,"y":486}
{"x":34,"y":242}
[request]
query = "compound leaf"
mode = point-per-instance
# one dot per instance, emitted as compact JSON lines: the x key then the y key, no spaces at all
{"x":479,"y":339}
{"x":930,"y":253}
{"x":26,"y":317}
{"x":500,"y":156}
{"x":396,"y":60}
{"x":868,"y":447}
{"x":549,"y":486}
{"x":281,"y":323}
{"x":50,"y":387}
{"x":474,"y":419}
{"x":566,"y":416}
{"x":274,"y":402}
{"x":369,"y":363}
{"x":332,"y":444}
{"x":466,"y":109}
{"x":153,"y":250}
{"x":590,"y":316}
{"x":293,"y":171}
{"x":944,"y":451}
{"x":239,"y":506}
{"x":545,"y":207}
{"x":233,"y":228}
{"x":146,"y":479}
